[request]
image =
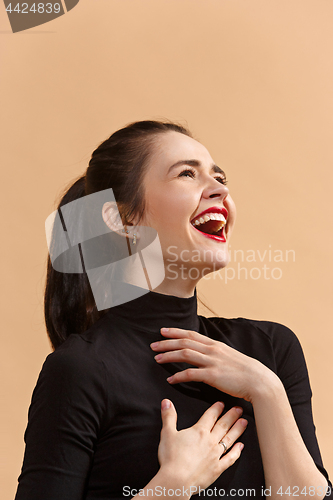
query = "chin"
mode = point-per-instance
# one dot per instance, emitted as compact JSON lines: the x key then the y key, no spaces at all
{"x":217,"y":265}
{"x":219,"y":257}
{"x":208,"y":266}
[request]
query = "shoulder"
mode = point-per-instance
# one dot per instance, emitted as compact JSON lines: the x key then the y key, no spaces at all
{"x":272,"y":343}
{"x":75,"y":363}
{"x":276,"y":333}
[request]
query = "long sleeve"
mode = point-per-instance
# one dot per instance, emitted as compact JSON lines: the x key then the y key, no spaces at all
{"x":292,"y":370}
{"x":65,"y":417}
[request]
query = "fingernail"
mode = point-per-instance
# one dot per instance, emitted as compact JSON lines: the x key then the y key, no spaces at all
{"x":165,"y":404}
{"x":241,"y":446}
{"x":154,"y":344}
{"x":222,"y":404}
{"x":164,"y":330}
{"x":169,"y":379}
{"x":239,"y":410}
{"x":244,"y":422}
{"x":158,"y":357}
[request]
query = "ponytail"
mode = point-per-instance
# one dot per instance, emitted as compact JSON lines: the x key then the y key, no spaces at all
{"x":69,"y":305}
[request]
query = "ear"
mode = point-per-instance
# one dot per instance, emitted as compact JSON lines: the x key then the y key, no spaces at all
{"x":111,"y":216}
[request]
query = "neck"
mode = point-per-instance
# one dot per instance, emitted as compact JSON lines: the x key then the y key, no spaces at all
{"x":179,"y":288}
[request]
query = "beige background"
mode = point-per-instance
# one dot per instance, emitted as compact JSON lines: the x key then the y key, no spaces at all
{"x":253,"y":79}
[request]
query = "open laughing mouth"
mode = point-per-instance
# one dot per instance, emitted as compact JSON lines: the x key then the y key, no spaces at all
{"x":211,"y":223}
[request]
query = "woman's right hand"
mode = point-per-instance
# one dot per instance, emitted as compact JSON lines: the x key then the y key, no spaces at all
{"x":194,"y":456}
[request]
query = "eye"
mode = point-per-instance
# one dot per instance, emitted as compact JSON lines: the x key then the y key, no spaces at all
{"x":222,"y":180}
{"x":189,"y":172}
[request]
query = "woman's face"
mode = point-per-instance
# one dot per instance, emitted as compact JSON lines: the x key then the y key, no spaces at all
{"x":181,"y":182}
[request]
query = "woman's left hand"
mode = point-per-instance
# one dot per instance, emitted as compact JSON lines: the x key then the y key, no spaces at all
{"x":218,"y":364}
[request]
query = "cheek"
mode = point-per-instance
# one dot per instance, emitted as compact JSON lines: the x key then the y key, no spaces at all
{"x":169,"y":208}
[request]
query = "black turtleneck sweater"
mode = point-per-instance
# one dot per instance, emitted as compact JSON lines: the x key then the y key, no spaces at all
{"x":94,"y":420}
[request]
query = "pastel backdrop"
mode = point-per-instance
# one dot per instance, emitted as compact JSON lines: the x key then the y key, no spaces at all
{"x":253,"y":80}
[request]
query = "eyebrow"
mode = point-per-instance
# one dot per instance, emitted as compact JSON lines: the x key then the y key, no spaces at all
{"x":196,"y":163}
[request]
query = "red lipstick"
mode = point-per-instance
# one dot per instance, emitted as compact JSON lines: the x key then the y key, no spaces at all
{"x":213,"y":210}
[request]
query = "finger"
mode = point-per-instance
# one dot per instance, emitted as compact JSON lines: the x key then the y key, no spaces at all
{"x":185,"y":356}
{"x":178,"y":333}
{"x":223,"y":425}
{"x":188,"y":375}
{"x":169,"y":416}
{"x":209,"y":418}
{"x":230,"y":458}
{"x":177,"y":344}
{"x":234,"y":433}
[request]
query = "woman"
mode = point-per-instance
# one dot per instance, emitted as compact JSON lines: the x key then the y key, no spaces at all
{"x":94,"y":429}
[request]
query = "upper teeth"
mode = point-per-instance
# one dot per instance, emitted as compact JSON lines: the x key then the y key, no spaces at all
{"x":207,"y":217}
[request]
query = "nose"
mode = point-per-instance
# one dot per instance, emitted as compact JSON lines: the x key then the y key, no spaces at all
{"x":215,"y":189}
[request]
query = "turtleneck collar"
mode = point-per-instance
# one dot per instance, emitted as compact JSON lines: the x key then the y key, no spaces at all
{"x":154,"y":310}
